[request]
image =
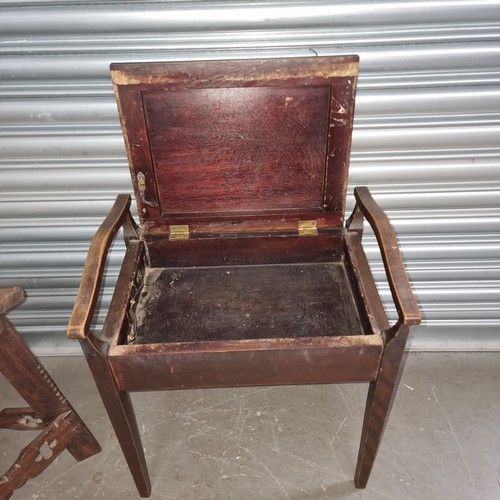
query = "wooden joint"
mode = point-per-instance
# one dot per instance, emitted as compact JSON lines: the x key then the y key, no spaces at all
{"x":356,"y":221}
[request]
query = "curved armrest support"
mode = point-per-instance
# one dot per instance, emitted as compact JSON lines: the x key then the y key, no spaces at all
{"x":10,"y":297}
{"x":88,"y":292}
{"x":406,"y":305}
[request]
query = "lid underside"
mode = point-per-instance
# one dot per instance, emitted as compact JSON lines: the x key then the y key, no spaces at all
{"x":237,"y":139}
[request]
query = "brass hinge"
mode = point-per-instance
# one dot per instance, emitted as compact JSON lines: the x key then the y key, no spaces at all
{"x":179,"y":232}
{"x":308,"y":228}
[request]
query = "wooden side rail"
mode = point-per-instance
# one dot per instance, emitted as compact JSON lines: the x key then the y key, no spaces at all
{"x":406,"y":305}
{"x":88,"y":292}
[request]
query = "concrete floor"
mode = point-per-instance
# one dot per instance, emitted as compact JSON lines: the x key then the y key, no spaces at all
{"x":296,"y":443}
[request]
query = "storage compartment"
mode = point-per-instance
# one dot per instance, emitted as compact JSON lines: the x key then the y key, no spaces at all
{"x":246,"y":302}
{"x":242,"y":272}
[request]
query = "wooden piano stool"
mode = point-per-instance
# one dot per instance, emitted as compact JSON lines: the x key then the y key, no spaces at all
{"x":243,"y":271}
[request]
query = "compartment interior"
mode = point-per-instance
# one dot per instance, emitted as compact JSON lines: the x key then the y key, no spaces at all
{"x":246,"y":302}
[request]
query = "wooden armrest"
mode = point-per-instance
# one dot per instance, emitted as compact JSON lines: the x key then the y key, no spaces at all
{"x":10,"y":297}
{"x":88,"y":292}
{"x":406,"y":305}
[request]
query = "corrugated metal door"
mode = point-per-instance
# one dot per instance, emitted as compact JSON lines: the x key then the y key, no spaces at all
{"x":427,"y":137}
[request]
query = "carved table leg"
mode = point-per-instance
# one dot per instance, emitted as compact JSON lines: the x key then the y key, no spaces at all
{"x":49,"y":409}
{"x":40,"y":453}
{"x":26,"y":374}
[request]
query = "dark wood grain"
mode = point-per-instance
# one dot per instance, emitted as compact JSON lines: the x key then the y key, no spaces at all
{"x":207,"y":159}
{"x":121,"y":311}
{"x":364,"y":288}
{"x":402,"y":294}
{"x":277,"y":72}
{"x":27,"y":374}
{"x":49,"y":409}
{"x":37,"y":388}
{"x":306,"y":360}
{"x":381,"y":394}
{"x":339,"y":143}
{"x":266,"y":222}
{"x":242,"y":152}
{"x":249,"y":250}
{"x":88,"y":292}
{"x":20,"y":419}
{"x":135,"y":134}
{"x":275,"y":136}
{"x":40,"y":453}
{"x":383,"y":389}
{"x":120,"y":410}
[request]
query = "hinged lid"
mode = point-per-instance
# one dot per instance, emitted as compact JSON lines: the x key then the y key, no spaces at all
{"x":248,"y":145}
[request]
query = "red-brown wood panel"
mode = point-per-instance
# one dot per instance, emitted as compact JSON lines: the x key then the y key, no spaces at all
{"x":237,"y":138}
{"x":234,"y":73}
{"x":339,"y":143}
{"x":244,"y":363}
{"x":249,"y":250}
{"x":208,"y":159}
{"x":139,"y":155}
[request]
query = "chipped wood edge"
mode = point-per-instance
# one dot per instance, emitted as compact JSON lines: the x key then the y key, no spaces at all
{"x":255,"y":70}
{"x":11,"y":297}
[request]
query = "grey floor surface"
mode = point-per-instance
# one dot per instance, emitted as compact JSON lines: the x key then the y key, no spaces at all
{"x":295,"y":443}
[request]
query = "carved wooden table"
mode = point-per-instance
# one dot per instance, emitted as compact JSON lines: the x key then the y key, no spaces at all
{"x":49,"y":410}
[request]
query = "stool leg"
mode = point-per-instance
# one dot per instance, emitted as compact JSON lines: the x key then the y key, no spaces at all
{"x":378,"y":406}
{"x":122,"y":416}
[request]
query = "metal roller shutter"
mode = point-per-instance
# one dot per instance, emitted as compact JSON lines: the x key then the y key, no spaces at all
{"x":426,"y":140}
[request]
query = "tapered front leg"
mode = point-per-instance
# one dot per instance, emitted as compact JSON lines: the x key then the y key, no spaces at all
{"x":121,"y":413}
{"x":378,"y":406}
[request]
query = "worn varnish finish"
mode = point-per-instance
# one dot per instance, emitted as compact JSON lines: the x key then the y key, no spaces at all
{"x":49,"y":410}
{"x":308,"y":360}
{"x":242,"y":272}
{"x":238,"y":138}
{"x":208,"y":160}
{"x":231,"y":250}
